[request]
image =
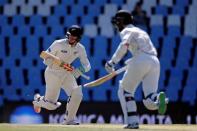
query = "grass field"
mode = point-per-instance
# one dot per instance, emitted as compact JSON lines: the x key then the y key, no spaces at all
{"x":93,"y":127}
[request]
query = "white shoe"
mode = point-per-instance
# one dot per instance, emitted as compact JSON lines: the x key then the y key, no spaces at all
{"x":39,"y":102}
{"x":134,"y":125}
{"x":71,"y":122}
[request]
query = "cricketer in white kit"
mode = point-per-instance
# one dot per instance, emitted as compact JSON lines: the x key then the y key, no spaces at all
{"x":56,"y":77}
{"x":143,"y":67}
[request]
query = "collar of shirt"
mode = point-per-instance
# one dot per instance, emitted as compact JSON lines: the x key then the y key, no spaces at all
{"x":66,"y":42}
{"x":128,"y":26}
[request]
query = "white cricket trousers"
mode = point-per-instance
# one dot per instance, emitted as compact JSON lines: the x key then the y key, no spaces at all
{"x":57,"y":79}
{"x":143,"y":68}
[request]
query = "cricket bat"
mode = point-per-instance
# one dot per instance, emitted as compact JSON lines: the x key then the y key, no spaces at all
{"x":105,"y":78}
{"x":57,"y":61}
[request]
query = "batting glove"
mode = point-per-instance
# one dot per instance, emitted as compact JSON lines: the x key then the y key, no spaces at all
{"x":109,"y":66}
{"x":66,"y":66}
{"x":78,"y":72}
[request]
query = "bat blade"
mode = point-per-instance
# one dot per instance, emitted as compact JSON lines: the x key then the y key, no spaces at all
{"x":105,"y":78}
{"x":100,"y":80}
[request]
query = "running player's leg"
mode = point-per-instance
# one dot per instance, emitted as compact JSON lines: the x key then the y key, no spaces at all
{"x":75,"y":97}
{"x":131,"y":79}
{"x":122,"y":100}
{"x":154,"y":100}
{"x":49,"y":100}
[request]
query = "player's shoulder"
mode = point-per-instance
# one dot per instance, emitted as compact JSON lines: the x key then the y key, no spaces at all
{"x":80,"y":46}
{"x":128,"y":29}
{"x":60,"y":41}
{"x":134,"y":31}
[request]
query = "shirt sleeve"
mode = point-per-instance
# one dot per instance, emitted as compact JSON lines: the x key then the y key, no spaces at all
{"x":120,"y":52}
{"x":53,"y":48}
{"x":84,"y":60}
{"x":125,"y":36}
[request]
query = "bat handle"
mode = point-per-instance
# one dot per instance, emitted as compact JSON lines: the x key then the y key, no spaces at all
{"x":85,"y":76}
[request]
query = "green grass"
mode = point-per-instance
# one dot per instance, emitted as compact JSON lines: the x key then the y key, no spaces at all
{"x":92,"y":127}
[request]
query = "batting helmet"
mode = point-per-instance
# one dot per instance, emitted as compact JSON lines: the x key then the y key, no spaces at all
{"x":121,"y":19}
{"x":75,"y":30}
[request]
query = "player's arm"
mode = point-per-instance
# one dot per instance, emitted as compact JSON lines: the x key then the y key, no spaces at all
{"x":123,"y":47}
{"x":84,"y":60}
{"x":52,"y":50}
{"x":118,"y":55}
{"x":55,"y":60}
{"x":85,"y":64}
{"x":120,"y":52}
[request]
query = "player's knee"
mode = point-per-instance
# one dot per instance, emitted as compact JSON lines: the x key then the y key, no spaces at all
{"x":122,"y":94}
{"x":124,"y":86}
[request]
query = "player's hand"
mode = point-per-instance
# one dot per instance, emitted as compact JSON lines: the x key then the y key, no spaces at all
{"x":68,"y":67}
{"x":78,"y":72}
{"x":109,"y":66}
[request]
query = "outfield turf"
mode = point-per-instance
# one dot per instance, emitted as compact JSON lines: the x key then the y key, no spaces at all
{"x":93,"y":127}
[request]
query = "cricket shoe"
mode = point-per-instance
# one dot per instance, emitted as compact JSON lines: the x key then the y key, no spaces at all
{"x":37,"y":97}
{"x":162,"y":103}
{"x":71,"y":122}
{"x":134,"y":125}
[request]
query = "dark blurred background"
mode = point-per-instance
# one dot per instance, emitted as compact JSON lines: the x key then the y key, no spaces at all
{"x":29,"y":26}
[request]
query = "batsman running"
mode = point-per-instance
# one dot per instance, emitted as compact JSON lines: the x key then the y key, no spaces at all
{"x":143,"y":67}
{"x":67,"y":50}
